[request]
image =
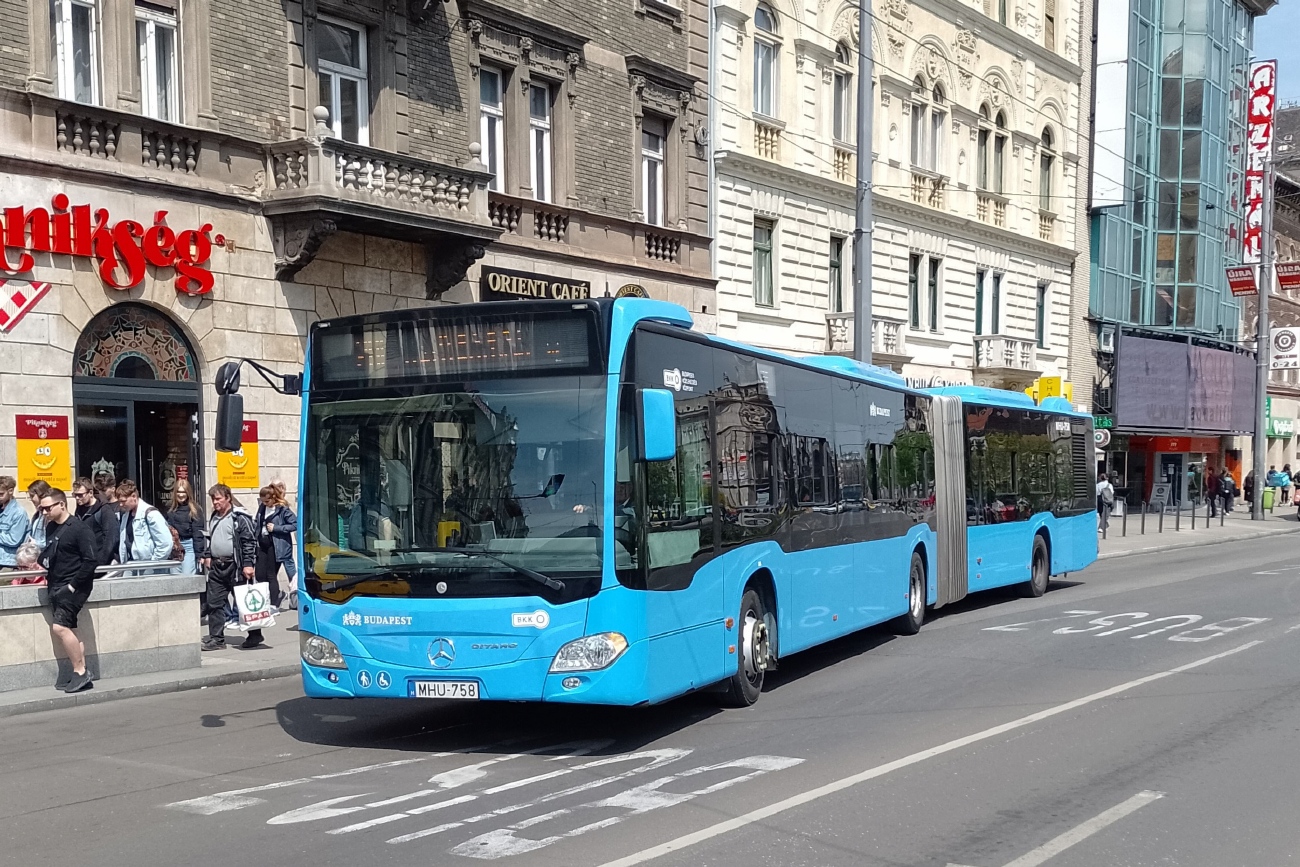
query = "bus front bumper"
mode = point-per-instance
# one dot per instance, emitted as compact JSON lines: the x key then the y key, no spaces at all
{"x":623,"y":682}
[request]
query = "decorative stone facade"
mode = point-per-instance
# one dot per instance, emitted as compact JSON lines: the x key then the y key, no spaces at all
{"x":952,"y":74}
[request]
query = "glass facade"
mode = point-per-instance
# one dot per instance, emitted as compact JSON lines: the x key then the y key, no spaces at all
{"x":1158,"y":259}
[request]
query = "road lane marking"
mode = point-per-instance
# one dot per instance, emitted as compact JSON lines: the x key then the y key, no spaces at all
{"x":1057,"y":845}
{"x":1021,"y":626}
{"x":787,"y":804}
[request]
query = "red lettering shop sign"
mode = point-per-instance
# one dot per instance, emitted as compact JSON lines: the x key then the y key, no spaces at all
{"x":121,"y":250}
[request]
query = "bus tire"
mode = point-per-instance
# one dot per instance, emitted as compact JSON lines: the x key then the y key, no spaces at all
{"x":910,"y":623}
{"x":753,"y":652}
{"x":1039,"y":569}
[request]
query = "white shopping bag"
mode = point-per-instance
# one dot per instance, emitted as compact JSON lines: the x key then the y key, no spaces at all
{"x":254,"y":604}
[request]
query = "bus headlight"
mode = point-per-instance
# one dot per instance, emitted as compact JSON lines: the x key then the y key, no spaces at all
{"x":319,"y":651}
{"x":590,"y":653}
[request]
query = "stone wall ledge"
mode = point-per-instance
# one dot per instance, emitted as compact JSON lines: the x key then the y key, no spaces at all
{"x":106,"y":590}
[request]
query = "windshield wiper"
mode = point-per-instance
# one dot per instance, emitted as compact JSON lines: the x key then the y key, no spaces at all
{"x":545,"y":580}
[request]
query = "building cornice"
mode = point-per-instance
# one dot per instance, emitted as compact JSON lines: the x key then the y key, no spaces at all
{"x":798,"y":183}
{"x":1001,"y":36}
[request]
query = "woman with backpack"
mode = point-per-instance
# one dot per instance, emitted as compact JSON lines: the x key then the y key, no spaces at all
{"x":186,"y":522}
{"x":276,"y":523}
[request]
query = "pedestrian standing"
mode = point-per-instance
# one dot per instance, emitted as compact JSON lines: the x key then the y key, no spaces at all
{"x":1227,"y":489}
{"x":186,"y":518}
{"x":230,"y":558}
{"x":286,"y":556}
{"x":14,"y":526}
{"x":36,"y":492}
{"x":1213,"y":490}
{"x":276,"y":524}
{"x":1284,"y":477}
{"x":144,"y":536}
{"x":1105,"y":501}
{"x":70,"y":561}
{"x":101,"y":517}
{"x":1248,"y":486}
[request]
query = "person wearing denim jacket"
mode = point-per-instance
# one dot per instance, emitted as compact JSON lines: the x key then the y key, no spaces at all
{"x":14,"y":524}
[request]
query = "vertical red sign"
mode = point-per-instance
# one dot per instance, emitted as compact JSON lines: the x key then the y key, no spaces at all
{"x":1262,"y":96}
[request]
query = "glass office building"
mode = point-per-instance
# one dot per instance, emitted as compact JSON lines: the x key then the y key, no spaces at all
{"x":1158,"y":256}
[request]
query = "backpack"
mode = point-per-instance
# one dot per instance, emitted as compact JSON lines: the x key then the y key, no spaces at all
{"x":1108,"y":495}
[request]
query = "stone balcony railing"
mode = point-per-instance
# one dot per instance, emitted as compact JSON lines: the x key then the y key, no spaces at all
{"x":1003,"y":361}
{"x":888,"y":339}
{"x":1046,"y":226}
{"x":767,"y":139}
{"x":545,"y":226}
{"x":928,"y":189}
{"x":845,"y":164}
{"x":991,"y":208}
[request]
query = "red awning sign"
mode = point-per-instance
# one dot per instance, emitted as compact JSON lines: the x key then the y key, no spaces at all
{"x":1288,"y":275}
{"x":1241,"y":280}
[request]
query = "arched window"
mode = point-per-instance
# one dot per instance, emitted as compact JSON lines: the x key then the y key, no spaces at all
{"x":842,"y":95}
{"x":1046,"y":165}
{"x":999,"y":153}
{"x":929,"y":113}
{"x":984,"y":136}
{"x":767,"y":50}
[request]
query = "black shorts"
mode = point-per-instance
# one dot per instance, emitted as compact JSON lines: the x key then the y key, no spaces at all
{"x":67,"y":604}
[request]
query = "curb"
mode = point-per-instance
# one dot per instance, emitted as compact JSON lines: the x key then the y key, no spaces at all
{"x":97,"y":695}
{"x":1199,"y":543}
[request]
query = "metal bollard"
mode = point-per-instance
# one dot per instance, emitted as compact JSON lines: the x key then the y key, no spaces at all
{"x":1143,"y":523}
{"x":1160,"y":527}
{"x":1123,"y":524}
{"x":1178,"y":517}
{"x":1223,"y":513}
{"x":1193,"y":514}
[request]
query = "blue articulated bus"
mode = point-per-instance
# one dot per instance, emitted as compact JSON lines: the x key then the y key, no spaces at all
{"x":588,"y":502}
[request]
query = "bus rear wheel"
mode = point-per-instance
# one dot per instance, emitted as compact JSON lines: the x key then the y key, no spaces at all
{"x":1039,"y":569}
{"x":910,"y":623}
{"x":753,"y":651}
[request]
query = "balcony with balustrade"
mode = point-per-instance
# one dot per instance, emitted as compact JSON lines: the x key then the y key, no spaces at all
{"x":888,"y":339}
{"x":991,"y":208}
{"x":1004,"y":361}
{"x":767,"y":138}
{"x":929,"y":189}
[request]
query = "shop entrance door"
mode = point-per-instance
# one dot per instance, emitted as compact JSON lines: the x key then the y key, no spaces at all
{"x":152,"y":439}
{"x":1170,"y":469}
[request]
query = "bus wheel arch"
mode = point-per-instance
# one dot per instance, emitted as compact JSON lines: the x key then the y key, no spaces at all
{"x":1040,"y":564}
{"x":756,"y":645}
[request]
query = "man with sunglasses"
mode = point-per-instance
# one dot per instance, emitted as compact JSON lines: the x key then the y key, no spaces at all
{"x":70,"y":560}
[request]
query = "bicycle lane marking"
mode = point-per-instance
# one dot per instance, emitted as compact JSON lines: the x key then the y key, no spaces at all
{"x":811,"y":795}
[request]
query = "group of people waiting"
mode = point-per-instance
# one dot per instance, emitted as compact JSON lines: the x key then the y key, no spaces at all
{"x":64,"y":546}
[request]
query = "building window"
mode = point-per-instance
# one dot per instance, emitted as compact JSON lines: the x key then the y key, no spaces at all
{"x":76,"y":38}
{"x":999,"y":152}
{"x":842,"y":94}
{"x":932,"y":295}
{"x":1040,"y":316}
{"x":837,"y":274}
{"x":492,"y":122}
{"x":1002,"y":11}
{"x":539,"y":140}
{"x":982,"y":149}
{"x":764,"y":296}
{"x":654,"y":135}
{"x":1046,"y":160}
{"x":767,"y":52}
{"x":914,"y":292}
{"x":344,"y":88}
{"x":928,"y":118}
{"x":1049,"y":24}
{"x":155,"y":39}
{"x":995,"y":306}
{"x":980,"y":276}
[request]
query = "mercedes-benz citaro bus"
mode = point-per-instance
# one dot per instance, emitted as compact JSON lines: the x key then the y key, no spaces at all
{"x":588,"y":502}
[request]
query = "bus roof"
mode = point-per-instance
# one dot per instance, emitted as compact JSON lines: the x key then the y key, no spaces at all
{"x":1000,"y":397}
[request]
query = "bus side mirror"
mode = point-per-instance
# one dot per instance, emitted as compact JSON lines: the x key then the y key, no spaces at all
{"x":230,"y":422}
{"x":658,"y":424}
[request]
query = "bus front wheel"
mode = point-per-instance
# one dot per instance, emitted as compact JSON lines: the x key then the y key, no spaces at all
{"x":753,"y":651}
{"x":910,"y":623}
{"x":1039,"y":569}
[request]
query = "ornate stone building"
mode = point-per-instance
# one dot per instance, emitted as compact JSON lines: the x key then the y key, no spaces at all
{"x":980,"y":131}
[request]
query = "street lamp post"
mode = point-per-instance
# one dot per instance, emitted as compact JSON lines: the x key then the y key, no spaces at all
{"x":862,"y":228}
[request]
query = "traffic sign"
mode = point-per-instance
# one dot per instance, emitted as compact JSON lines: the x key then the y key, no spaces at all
{"x":1101,"y":438}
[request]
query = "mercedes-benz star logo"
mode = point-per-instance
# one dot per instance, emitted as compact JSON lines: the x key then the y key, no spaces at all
{"x":442,"y":652}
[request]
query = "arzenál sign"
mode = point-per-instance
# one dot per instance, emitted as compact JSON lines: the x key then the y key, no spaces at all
{"x":499,"y":284}
{"x":122,"y":250}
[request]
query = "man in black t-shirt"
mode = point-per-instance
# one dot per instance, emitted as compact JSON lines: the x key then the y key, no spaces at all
{"x":70,"y":560}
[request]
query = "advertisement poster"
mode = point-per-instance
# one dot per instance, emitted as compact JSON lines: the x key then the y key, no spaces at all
{"x":240,"y":469}
{"x":44,"y":452}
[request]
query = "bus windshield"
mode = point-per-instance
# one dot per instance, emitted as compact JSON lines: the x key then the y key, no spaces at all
{"x":467,"y":488}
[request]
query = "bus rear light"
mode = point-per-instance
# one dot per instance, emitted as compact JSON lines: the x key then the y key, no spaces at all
{"x":320,"y":652}
{"x":589,"y":653}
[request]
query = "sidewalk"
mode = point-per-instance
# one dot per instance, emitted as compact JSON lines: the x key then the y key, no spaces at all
{"x":1236,"y":526}
{"x":279,"y":659}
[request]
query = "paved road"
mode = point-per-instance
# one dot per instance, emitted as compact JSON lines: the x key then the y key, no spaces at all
{"x":1145,"y":712}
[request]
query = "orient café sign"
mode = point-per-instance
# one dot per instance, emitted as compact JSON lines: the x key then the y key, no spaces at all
{"x":121,"y":250}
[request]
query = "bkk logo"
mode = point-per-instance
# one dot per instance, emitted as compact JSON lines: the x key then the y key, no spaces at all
{"x":122,"y":249}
